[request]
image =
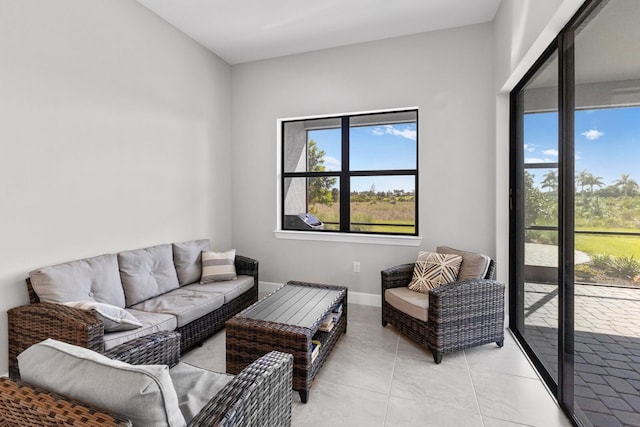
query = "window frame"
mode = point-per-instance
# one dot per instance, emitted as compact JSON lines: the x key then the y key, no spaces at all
{"x":344,"y":175}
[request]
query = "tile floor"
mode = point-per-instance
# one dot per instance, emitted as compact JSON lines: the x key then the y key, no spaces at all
{"x":377,"y":377}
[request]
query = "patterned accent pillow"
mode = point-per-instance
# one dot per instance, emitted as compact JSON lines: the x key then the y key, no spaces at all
{"x":114,"y":318}
{"x":432,"y":270}
{"x":218,"y":266}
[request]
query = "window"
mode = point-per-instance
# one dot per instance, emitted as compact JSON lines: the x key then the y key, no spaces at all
{"x":355,"y":173}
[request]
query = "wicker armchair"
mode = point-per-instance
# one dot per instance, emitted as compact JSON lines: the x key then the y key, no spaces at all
{"x":460,"y":315}
{"x":260,"y":395}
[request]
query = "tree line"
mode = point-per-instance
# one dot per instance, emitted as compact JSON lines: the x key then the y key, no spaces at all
{"x":625,"y":186}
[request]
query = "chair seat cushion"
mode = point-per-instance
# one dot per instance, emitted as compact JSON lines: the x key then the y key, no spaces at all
{"x":142,"y":393}
{"x":415,"y":304}
{"x":195,"y":387}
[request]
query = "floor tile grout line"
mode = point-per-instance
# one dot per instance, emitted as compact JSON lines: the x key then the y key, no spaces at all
{"x":473,"y":387}
{"x":393,"y":371}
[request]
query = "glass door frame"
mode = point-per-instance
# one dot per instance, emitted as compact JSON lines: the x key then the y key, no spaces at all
{"x":564,"y":46}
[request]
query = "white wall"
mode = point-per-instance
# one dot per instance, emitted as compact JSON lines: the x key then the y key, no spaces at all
{"x":115,"y":135}
{"x":447,"y":74}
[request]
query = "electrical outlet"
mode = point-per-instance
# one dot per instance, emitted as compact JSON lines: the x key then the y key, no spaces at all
{"x":356,"y":266}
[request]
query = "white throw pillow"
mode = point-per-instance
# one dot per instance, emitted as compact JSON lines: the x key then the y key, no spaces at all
{"x":114,"y":318}
{"x":142,"y":393}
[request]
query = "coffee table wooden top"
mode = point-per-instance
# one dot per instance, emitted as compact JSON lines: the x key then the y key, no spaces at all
{"x":295,"y":305}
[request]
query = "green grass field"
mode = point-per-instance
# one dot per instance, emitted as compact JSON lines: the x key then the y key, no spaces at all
{"x":378,"y":211}
{"x":619,"y":246}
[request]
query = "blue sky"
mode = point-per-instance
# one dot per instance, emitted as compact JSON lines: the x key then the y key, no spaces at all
{"x":373,"y":147}
{"x":607,"y":142}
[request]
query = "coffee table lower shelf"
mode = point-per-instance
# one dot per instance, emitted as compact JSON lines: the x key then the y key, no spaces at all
{"x":248,"y":339}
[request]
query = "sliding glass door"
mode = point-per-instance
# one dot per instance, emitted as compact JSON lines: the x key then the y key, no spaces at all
{"x":575,"y":217}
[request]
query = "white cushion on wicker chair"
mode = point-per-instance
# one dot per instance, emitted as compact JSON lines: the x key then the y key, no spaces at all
{"x":415,"y":304}
{"x":142,"y":393}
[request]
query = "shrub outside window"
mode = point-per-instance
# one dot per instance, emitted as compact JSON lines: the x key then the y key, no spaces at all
{"x":353,"y":173}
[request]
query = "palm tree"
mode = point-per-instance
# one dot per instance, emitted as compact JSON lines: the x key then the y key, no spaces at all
{"x":581,"y":178}
{"x":626,"y":184}
{"x":550,"y":180}
{"x":592,"y":181}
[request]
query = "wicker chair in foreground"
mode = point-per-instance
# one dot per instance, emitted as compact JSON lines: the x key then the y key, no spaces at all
{"x":260,"y":395}
{"x":453,"y":316}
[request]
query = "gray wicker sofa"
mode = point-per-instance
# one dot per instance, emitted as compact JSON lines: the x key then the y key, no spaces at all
{"x":159,"y":286}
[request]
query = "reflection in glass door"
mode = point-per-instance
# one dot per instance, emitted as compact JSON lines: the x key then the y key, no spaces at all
{"x":575,"y":222}
{"x":537,"y":214}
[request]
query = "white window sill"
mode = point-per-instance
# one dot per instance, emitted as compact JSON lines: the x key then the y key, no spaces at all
{"x":349,"y":238}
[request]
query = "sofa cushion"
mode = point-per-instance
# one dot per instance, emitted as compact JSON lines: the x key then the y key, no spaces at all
{"x":474,"y":265}
{"x":432,"y":270}
{"x":151,"y":323}
{"x":147,"y":273}
{"x":187,"y":257}
{"x":415,"y":304}
{"x":90,"y":279}
{"x":218,"y":266}
{"x":195,"y":387}
{"x":186,"y":304}
{"x":231,"y":289}
{"x":113,"y":318}
{"x":142,"y":393}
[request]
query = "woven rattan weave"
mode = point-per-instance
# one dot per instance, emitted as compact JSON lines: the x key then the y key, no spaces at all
{"x":461,"y":315}
{"x":249,"y":338}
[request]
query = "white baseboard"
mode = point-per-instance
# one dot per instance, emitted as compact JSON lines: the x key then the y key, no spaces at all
{"x":360,"y":298}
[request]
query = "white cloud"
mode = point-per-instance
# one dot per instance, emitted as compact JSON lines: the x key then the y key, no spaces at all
{"x":592,"y":134}
{"x":331,"y":163}
{"x":391,"y":130}
{"x":550,"y":152}
{"x":538,"y":160}
{"x":529,"y":148}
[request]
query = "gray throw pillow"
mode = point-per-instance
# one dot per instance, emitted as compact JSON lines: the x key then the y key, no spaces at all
{"x":113,"y":318}
{"x":187,"y":257}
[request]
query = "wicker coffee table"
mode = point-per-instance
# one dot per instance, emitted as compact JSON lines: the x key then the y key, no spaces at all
{"x":288,"y":320}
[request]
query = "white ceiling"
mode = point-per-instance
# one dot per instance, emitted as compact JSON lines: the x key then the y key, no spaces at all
{"x":247,"y":30}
